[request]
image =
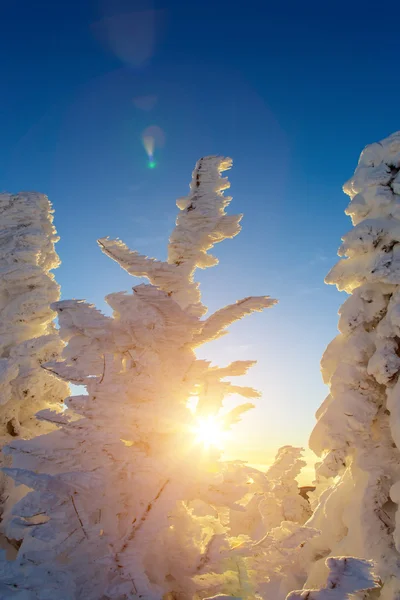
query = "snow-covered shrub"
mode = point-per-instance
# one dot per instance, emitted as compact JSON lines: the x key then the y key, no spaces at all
{"x":125,"y":501}
{"x":28,"y":337}
{"x":347,"y":575}
{"x":272,"y":496}
{"x":265,"y":532}
{"x":349,"y":578}
{"x":357,"y":433}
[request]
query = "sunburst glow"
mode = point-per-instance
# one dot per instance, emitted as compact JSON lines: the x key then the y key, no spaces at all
{"x":210,"y":432}
{"x":192,"y":404}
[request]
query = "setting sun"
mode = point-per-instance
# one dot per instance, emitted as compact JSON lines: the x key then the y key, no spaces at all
{"x":210,"y":432}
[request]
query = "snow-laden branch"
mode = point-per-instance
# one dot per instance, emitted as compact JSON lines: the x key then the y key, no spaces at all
{"x":215,"y":326}
{"x":159,"y":273}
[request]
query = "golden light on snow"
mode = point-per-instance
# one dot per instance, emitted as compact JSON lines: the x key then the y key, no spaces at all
{"x":192,"y":403}
{"x":210,"y":432}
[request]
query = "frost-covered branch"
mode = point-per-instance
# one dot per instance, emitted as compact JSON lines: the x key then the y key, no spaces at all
{"x":215,"y":326}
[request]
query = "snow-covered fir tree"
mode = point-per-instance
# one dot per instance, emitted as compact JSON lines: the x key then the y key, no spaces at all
{"x":28,"y":337}
{"x":125,"y":502}
{"x":357,"y":434}
{"x":267,"y":528}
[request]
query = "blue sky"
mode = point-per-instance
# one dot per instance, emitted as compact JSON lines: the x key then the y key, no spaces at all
{"x":291,"y":93}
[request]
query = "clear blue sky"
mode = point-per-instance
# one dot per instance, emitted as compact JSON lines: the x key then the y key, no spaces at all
{"x":291,"y":93}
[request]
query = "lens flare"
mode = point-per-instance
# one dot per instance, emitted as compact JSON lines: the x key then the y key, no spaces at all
{"x":153,"y":137}
{"x":192,"y":404}
{"x":148,"y":143}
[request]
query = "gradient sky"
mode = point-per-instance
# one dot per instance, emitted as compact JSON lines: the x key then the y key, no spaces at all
{"x":291,"y":93}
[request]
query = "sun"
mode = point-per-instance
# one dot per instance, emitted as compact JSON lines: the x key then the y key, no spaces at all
{"x":210,"y":432}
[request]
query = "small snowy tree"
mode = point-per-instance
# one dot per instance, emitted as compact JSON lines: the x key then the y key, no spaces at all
{"x":125,"y":504}
{"x":261,"y":555}
{"x":357,"y":434}
{"x":272,"y":497}
{"x":28,"y":337}
{"x":266,"y":525}
{"x":347,"y":576}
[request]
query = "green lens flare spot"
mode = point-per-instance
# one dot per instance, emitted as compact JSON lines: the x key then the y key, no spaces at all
{"x":152,"y":164}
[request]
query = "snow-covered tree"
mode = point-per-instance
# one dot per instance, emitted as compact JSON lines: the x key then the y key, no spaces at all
{"x":28,"y":337}
{"x":125,"y":502}
{"x":357,"y":434}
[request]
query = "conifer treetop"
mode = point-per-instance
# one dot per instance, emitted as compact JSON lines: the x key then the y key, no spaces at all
{"x":371,"y":250}
{"x":201,"y":223}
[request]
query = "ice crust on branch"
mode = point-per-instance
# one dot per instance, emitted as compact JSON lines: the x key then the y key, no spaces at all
{"x":124,"y":502}
{"x":357,"y":432}
{"x":28,"y":337}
